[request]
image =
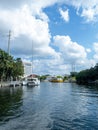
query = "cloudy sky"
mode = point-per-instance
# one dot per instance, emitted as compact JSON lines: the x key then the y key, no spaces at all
{"x":59,"y":34}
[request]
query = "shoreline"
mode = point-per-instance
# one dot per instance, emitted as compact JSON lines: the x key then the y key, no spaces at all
{"x":10,"y":83}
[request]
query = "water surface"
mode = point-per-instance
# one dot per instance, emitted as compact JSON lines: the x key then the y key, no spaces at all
{"x":50,"y":106}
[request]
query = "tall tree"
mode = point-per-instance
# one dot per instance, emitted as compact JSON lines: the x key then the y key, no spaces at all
{"x":18,"y":69}
{"x":10,"y":67}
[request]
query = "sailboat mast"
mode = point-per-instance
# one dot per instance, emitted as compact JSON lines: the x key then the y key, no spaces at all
{"x":32,"y":58}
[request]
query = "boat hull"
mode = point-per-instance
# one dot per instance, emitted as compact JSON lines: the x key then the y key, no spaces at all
{"x":33,"y":82}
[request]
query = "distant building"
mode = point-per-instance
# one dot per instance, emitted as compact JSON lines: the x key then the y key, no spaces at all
{"x":27,"y":68}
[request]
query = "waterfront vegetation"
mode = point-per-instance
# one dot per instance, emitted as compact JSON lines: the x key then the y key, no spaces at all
{"x":10,"y":68}
{"x":88,"y":76}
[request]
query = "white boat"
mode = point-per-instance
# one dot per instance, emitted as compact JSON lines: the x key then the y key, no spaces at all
{"x":33,"y":81}
{"x":24,"y":82}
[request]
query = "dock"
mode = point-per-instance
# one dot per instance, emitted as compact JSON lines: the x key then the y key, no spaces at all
{"x":10,"y":84}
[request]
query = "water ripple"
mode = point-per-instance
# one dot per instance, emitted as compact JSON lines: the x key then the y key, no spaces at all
{"x":49,"y":107}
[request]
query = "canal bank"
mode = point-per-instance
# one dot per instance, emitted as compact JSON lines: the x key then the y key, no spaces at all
{"x":10,"y":84}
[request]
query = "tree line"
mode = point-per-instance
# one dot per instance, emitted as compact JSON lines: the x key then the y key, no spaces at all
{"x":10,"y":68}
{"x":88,"y":75}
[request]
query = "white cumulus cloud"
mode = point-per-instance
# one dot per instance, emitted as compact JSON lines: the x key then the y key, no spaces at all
{"x":71,"y":51}
{"x":87,"y":9}
{"x":27,"y":31}
{"x":64,"y":14}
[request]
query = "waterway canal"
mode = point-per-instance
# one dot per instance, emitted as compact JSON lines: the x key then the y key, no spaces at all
{"x":50,"y":106}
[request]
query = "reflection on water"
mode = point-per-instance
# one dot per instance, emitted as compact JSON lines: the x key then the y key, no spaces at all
{"x":50,"y":106}
{"x":10,"y":102}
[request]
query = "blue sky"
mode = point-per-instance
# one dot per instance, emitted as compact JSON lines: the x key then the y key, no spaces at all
{"x":58,"y":33}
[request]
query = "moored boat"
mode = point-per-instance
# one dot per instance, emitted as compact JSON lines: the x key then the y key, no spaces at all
{"x":33,"y":81}
{"x":56,"y":80}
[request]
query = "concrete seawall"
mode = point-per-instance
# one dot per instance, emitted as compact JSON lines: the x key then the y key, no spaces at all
{"x":10,"y":83}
